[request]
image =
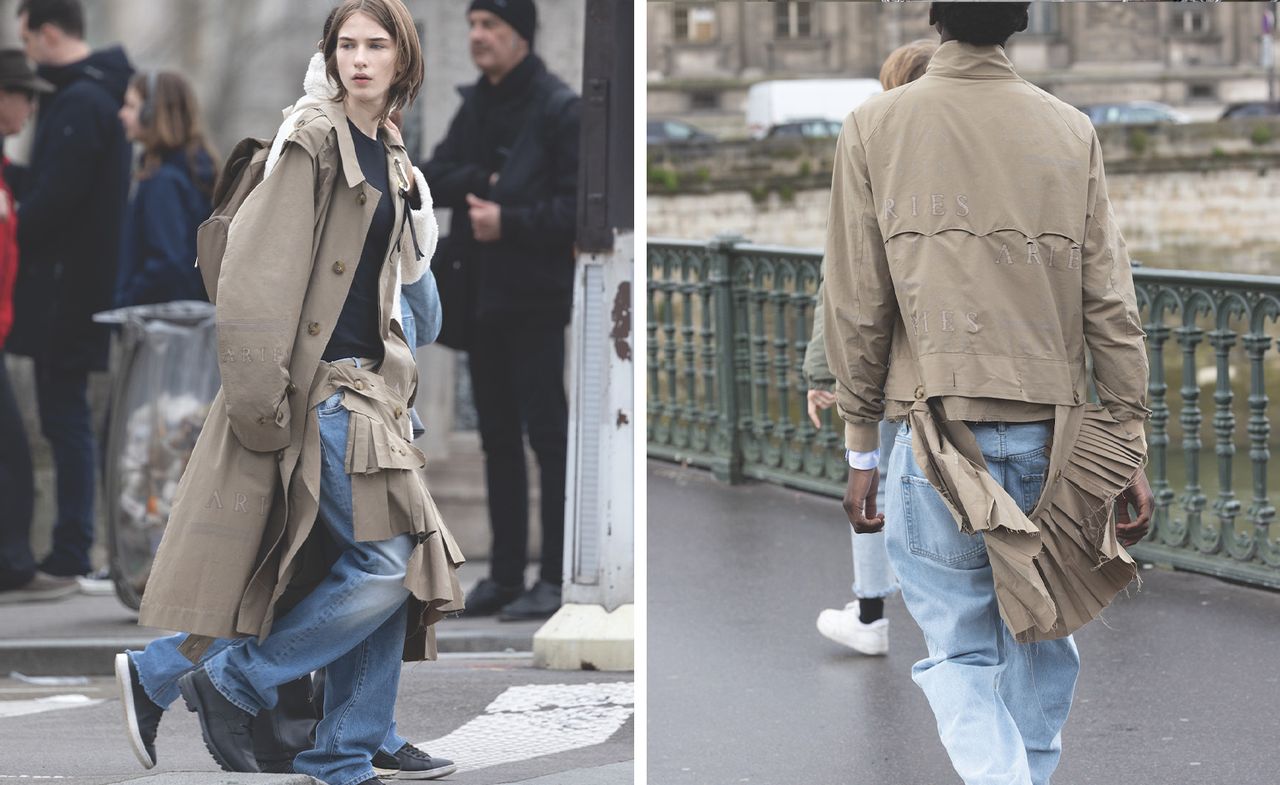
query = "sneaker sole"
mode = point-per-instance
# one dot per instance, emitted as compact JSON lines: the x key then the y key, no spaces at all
{"x":399,"y":774}
{"x":194,"y":704}
{"x":869,"y":651}
{"x":125,"y":682}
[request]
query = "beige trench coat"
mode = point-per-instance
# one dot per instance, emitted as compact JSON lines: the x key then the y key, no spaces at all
{"x":248,"y":499}
{"x":973,"y":255}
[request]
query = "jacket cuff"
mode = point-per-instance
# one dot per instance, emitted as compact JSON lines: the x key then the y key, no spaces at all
{"x":862,"y":436}
{"x":264,"y":430}
{"x":1135,"y":430}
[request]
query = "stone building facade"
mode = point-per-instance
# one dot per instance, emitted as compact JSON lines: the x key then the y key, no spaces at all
{"x":702,"y":57}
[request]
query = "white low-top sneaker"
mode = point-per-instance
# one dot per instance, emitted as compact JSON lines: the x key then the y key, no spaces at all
{"x":844,"y":627}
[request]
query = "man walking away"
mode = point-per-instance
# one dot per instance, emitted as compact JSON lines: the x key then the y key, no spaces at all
{"x":70,"y":203}
{"x":972,"y":257}
{"x":509,"y":170}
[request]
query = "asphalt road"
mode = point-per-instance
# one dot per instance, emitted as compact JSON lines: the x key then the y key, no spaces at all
{"x":569,"y":735}
{"x":1179,"y":686}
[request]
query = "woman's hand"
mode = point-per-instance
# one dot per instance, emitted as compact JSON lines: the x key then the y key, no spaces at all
{"x":819,"y":400}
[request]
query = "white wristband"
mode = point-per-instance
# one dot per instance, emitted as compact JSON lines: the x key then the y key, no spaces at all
{"x":863,"y":460}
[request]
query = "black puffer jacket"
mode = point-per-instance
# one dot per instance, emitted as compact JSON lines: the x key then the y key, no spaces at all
{"x":71,"y":200}
{"x":526,"y":130}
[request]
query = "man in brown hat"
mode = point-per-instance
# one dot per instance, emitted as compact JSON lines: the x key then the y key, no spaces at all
{"x":972,"y":258}
{"x":20,"y":581}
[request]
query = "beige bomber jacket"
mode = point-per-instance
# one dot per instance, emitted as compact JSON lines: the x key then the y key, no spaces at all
{"x":972,"y":254}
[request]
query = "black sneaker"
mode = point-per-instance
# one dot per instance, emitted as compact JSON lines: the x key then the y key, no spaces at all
{"x":540,"y":602}
{"x":488,"y":596}
{"x":141,"y":714}
{"x":227,"y":728}
{"x":411,"y":763}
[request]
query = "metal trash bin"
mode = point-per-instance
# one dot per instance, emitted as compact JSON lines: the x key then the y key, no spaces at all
{"x":164,"y":378}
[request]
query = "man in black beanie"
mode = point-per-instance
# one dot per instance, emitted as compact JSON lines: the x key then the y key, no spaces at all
{"x":508,"y":168}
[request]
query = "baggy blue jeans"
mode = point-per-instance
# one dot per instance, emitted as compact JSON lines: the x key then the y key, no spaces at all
{"x":352,"y":624}
{"x":1000,"y":705}
{"x":160,"y":665}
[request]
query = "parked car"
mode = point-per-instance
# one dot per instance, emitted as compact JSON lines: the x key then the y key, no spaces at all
{"x":1134,"y":112}
{"x":780,"y":101}
{"x":662,"y":131}
{"x":813,"y":128}
{"x":1252,"y":109}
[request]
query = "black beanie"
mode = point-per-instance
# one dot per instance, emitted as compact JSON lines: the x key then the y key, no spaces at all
{"x":520,"y":14}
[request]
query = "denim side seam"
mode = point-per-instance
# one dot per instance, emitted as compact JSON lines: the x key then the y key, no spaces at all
{"x":222,"y":690}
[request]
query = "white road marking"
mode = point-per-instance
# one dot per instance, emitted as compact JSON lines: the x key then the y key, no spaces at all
{"x":535,"y":720}
{"x":19,"y":708}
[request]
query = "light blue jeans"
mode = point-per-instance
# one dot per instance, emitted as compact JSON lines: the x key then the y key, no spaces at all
{"x":1000,"y":705}
{"x":872,"y":575}
{"x":352,"y":625}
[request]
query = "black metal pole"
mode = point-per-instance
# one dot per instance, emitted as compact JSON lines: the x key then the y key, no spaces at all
{"x":606,"y":198}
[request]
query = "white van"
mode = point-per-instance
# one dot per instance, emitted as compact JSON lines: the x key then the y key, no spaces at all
{"x":774,"y":102}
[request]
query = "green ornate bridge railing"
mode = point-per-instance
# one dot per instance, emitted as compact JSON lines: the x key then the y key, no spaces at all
{"x":728,"y":323}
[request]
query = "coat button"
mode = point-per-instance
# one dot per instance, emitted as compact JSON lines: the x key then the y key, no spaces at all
{"x":1076,"y":396}
{"x":279,"y":455}
{"x":290,"y":389}
{"x":361,"y":198}
{"x":313,"y":328}
{"x":262,"y":421}
{"x":339,"y":268}
{"x":301,"y":122}
{"x":399,"y":412}
{"x":920,"y":392}
{"x":359,"y":384}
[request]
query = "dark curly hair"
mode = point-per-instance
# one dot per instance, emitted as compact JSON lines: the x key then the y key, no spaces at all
{"x":980,"y":24}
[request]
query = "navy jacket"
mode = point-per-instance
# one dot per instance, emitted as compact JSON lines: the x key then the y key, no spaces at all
{"x":158,"y":243}
{"x":526,"y":130}
{"x":70,"y":201}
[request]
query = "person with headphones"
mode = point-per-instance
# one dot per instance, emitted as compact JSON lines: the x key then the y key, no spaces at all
{"x":173,"y":182}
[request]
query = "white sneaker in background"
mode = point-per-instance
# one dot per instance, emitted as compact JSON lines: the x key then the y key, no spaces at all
{"x":844,"y":627}
{"x":97,"y":584}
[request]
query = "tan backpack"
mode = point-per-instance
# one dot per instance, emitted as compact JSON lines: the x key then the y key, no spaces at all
{"x":240,"y":174}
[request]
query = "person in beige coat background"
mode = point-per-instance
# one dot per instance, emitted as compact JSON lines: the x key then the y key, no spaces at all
{"x":312,"y":425}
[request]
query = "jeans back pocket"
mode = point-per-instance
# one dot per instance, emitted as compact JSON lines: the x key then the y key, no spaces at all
{"x":932,"y":532}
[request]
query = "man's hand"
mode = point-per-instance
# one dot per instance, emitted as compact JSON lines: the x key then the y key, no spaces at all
{"x":819,"y":400}
{"x":860,"y":501}
{"x":1131,"y":530}
{"x":486,"y":219}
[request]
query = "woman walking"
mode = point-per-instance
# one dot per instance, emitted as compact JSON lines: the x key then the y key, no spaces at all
{"x":861,"y":624}
{"x":170,"y":198}
{"x":313,"y":426}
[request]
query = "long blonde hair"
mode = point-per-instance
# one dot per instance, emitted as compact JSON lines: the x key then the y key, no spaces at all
{"x":907,"y":63}
{"x":169,"y":120}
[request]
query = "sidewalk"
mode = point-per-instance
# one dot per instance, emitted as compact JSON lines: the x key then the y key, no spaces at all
{"x":497,"y":717}
{"x":1179,"y":684}
{"x":78,"y":636}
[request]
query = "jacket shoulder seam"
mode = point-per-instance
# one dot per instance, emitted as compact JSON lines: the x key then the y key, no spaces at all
{"x":885,"y":112}
{"x":311,"y":130}
{"x":1057,"y":106}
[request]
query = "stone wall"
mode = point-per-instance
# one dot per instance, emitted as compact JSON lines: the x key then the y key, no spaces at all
{"x":1202,"y":196}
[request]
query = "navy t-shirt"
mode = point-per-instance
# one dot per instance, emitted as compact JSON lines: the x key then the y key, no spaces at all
{"x":357,"y":333}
